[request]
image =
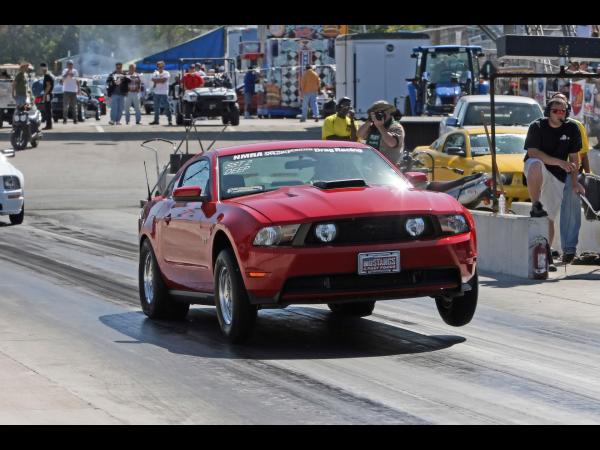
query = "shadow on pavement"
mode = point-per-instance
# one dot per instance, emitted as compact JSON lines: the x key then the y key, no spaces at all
{"x":573,"y":272}
{"x":177,"y":135}
{"x":295,"y":333}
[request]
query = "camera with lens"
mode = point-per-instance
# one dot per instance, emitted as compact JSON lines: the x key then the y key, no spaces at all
{"x":380,"y":115}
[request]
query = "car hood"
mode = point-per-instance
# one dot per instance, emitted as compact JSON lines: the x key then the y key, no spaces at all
{"x":7,"y":168}
{"x":305,"y":203}
{"x":213,"y":91}
{"x":506,"y":163}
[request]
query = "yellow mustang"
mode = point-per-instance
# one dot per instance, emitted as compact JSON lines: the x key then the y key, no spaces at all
{"x":468,"y":150}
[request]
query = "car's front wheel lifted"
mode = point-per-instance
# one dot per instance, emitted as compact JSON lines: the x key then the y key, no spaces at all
{"x":459,"y":311}
{"x":361,"y":309}
{"x":154,"y":296}
{"x":236,"y":315}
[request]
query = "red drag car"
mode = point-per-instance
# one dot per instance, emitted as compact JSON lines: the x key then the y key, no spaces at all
{"x":300,"y":222}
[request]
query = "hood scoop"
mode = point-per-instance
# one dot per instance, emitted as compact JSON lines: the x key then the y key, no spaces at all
{"x":335,"y":184}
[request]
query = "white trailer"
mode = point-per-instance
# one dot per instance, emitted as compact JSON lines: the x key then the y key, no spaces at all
{"x":375,"y":66}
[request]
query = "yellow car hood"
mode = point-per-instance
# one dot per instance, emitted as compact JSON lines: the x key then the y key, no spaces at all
{"x":506,"y":163}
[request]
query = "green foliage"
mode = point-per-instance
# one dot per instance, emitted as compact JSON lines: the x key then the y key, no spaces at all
{"x":37,"y":43}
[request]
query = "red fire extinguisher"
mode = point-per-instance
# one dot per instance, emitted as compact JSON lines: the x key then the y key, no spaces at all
{"x":539,"y":258}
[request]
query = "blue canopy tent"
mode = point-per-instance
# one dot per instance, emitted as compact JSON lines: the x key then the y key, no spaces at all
{"x":207,"y":45}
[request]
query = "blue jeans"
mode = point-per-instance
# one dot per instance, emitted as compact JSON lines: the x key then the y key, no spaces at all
{"x":20,"y":99}
{"x":117,"y":105}
{"x":570,"y":218}
{"x":312,"y":99}
{"x":159,"y":102}
{"x":133,"y":99}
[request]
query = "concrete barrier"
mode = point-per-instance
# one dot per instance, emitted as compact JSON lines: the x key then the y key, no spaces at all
{"x":589,"y":234}
{"x":504,"y":242}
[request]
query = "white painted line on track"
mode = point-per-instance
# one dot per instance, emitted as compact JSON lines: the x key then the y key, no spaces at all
{"x":100,"y":129}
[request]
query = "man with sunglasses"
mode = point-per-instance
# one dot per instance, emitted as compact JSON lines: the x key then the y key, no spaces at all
{"x":382,"y":131}
{"x":552,"y":144}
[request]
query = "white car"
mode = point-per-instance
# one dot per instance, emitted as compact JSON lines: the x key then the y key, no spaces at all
{"x":12,"y":193}
{"x":510,"y":110}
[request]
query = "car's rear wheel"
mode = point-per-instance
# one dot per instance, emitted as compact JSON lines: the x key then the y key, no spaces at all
{"x":235,"y":313}
{"x":154,"y":296}
{"x":459,"y":311}
{"x":361,"y":309}
{"x":17,"y":219}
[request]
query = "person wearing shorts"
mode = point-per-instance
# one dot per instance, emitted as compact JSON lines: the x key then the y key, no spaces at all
{"x":552,"y":144}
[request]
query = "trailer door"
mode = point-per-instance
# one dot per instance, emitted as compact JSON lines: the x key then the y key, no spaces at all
{"x":369,"y":78}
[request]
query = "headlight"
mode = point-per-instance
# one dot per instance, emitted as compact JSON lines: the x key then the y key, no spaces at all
{"x":454,"y":224}
{"x":11,"y":183}
{"x":415,"y":226}
{"x":276,"y":235}
{"x":231,"y":97}
{"x":438,"y":101}
{"x":326,"y":232}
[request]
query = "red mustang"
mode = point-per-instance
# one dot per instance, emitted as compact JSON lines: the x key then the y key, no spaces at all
{"x":273,"y":224}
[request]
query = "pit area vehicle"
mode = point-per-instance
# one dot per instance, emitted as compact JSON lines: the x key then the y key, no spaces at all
{"x":469,"y":151}
{"x":443,"y":74}
{"x":87,"y":106}
{"x":12,"y":185}
{"x":510,"y":110}
{"x":301,"y":222}
{"x":216,"y":98}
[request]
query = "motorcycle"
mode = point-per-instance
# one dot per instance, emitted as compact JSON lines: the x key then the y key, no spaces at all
{"x":470,"y":191}
{"x":26,"y":127}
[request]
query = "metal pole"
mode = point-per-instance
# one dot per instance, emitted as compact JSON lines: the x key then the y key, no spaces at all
{"x":493,"y":144}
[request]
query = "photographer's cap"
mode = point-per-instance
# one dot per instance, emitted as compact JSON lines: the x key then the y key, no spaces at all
{"x":381,"y":105}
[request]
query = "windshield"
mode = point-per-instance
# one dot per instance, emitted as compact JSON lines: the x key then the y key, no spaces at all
{"x":441,"y":67}
{"x":95,"y":90}
{"x":263,"y":171}
{"x":506,"y":113}
{"x":505,"y":144}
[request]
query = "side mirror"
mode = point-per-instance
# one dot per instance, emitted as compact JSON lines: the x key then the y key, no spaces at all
{"x":9,"y":152}
{"x":455,"y":151}
{"x":188,"y":194}
{"x":452,"y":122}
{"x":417,"y":179}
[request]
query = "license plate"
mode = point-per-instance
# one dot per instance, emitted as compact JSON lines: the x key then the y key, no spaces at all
{"x":378,"y":262}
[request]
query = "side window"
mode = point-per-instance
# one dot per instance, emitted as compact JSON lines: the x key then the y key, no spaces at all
{"x":197,"y":174}
{"x":459,"y":107}
{"x":455,"y":140}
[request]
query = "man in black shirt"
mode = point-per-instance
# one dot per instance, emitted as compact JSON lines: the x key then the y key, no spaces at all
{"x":552,"y":144}
{"x":47,"y":100}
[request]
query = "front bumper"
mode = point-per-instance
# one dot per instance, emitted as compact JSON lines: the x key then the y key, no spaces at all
{"x":11,"y":202}
{"x":323,"y":274}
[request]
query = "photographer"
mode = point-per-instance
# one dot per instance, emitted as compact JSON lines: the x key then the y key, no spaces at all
{"x":340,"y":126}
{"x":117,"y":88}
{"x":382,"y":132}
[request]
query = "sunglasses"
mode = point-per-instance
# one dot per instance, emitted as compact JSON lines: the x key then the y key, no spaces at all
{"x":558,"y":111}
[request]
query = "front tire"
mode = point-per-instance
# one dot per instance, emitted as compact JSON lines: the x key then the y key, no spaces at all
{"x":459,"y":311}
{"x":17,"y":219}
{"x":361,"y":309}
{"x":235,"y":116}
{"x":154,"y":296}
{"x":235,"y":313}
{"x":19,"y":138}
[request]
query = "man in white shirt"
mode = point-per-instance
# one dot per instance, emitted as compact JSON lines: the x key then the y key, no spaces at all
{"x":160,"y":78}
{"x":71,"y":89}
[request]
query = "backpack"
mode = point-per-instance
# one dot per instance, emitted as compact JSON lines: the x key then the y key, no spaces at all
{"x":37,"y":88}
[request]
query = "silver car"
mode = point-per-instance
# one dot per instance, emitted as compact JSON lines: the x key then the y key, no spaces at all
{"x":12,"y":194}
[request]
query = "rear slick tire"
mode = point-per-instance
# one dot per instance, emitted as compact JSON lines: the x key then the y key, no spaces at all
{"x":459,"y":311}
{"x":235,"y":313}
{"x":154,"y":295}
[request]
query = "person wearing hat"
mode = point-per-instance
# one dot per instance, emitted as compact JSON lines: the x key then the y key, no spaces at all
{"x":382,"y":132}
{"x":19,"y":86}
{"x":71,"y":89}
{"x":340,"y":126}
{"x":552,"y":144}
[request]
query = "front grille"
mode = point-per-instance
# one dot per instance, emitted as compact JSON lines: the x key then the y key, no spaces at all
{"x":212,"y":98}
{"x":364,"y":230}
{"x":353,"y":282}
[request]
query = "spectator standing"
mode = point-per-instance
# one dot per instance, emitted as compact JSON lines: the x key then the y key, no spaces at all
{"x":71,"y":89}
{"x":160,"y":77}
{"x":310,"y":85}
{"x":48,"y":81}
{"x":382,"y":132}
{"x":249,"y":90}
{"x":117,"y":88}
{"x":133,"y":95}
{"x":191,"y":80}
{"x":19,"y":86}
{"x":340,"y":126}
{"x":552,"y":144}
